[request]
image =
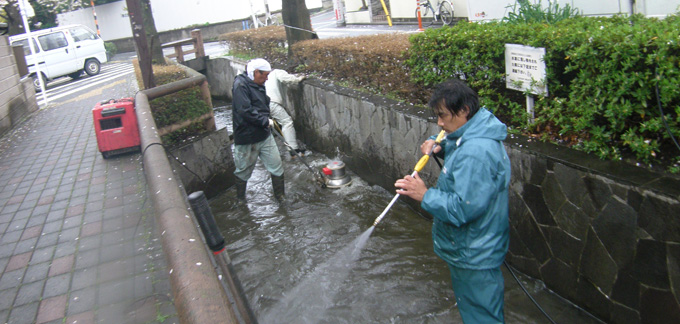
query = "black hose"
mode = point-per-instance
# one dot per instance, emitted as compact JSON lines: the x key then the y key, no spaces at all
{"x":658,"y":102}
{"x":317,"y":176}
{"x":527,"y":293}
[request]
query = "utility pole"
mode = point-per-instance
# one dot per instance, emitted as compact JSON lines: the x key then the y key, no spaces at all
{"x":95,"y":18}
{"x":139,"y":34}
{"x":26,"y":10}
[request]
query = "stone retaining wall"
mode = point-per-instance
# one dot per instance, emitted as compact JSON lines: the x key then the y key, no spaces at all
{"x":17,"y":96}
{"x":210,"y":161}
{"x":605,"y":235}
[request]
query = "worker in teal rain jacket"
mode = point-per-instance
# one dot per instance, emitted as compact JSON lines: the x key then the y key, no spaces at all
{"x":470,"y":202}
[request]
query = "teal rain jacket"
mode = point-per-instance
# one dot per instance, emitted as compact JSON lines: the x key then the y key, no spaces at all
{"x":470,"y":202}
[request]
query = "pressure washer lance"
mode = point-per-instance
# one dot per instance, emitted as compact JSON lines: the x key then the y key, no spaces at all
{"x":419,"y":166}
{"x":317,"y":175}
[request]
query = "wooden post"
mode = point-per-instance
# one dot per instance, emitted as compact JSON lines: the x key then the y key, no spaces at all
{"x":179,"y":52}
{"x":198,"y":42}
{"x":205,"y":93}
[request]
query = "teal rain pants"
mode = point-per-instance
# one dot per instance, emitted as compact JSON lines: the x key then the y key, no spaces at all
{"x":479,"y":294}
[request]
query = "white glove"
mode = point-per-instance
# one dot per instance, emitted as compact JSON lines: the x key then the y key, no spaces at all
{"x":271,"y":123}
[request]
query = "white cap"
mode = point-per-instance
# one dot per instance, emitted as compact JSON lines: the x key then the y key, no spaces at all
{"x":257,"y":64}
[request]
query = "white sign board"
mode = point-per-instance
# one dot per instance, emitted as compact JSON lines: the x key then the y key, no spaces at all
{"x":525,"y":69}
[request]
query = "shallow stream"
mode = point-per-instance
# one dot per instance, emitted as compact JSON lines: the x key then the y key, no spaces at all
{"x":299,"y":262}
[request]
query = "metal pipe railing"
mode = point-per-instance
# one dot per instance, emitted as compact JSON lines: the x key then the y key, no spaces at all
{"x":199,"y":296}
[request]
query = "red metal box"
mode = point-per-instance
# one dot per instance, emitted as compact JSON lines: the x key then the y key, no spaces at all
{"x":115,"y":124}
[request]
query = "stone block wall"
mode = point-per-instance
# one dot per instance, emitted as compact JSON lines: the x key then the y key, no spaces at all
{"x":17,"y":96}
{"x":603,"y":234}
{"x":210,"y":161}
{"x":378,"y":138}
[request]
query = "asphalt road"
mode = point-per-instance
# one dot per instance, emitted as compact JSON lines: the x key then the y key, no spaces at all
{"x":326,"y":26}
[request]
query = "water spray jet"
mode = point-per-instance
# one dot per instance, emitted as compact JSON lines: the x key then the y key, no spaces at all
{"x":419,"y":166}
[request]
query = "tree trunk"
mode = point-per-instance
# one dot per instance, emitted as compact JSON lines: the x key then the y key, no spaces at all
{"x":295,"y":14}
{"x":152,"y":34}
{"x":15,"y":25}
{"x":141,"y":44}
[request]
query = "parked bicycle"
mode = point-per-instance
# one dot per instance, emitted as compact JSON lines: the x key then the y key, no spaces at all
{"x":444,"y":12}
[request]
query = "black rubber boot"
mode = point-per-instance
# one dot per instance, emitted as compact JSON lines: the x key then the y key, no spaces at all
{"x":279,"y":188}
{"x":240,"y":188}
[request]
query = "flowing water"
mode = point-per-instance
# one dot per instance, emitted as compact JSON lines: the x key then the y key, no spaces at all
{"x":307,"y":301}
{"x":317,"y":258}
{"x":304,"y":263}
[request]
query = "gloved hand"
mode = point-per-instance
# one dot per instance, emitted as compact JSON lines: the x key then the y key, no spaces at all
{"x":271,"y":123}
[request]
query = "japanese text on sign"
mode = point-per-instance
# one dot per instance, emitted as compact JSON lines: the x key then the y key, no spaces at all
{"x":525,"y":69}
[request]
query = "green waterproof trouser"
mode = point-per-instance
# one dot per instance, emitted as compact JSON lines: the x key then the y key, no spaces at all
{"x":479,"y":294}
{"x":245,"y":157}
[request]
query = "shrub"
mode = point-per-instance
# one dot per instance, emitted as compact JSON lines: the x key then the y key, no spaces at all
{"x":265,"y":42}
{"x":535,"y":13}
{"x":376,"y":63}
{"x":602,"y":78}
{"x":176,"y":107}
{"x":111,"y":49}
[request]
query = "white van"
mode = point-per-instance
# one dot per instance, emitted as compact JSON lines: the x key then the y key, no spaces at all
{"x":62,"y":51}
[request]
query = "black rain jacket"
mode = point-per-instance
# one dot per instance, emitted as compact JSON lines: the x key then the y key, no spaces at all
{"x":250,"y":111}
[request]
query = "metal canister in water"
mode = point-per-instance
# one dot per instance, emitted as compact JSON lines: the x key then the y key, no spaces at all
{"x":335,"y":175}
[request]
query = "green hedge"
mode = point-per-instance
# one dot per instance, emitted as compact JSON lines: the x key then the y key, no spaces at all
{"x":602,"y":76}
{"x":267,"y":42}
{"x":376,"y":63}
{"x":601,"y":79}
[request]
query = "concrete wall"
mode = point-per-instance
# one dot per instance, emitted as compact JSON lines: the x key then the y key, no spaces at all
{"x":220,"y":73}
{"x":17,"y":96}
{"x":114,"y":22}
{"x":604,"y":234}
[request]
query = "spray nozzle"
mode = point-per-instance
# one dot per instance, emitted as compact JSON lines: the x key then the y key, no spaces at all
{"x":419,"y":166}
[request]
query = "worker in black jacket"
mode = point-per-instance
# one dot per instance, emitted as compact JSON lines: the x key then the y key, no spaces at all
{"x":252,"y":126}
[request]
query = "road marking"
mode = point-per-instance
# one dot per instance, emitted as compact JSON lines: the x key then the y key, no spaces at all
{"x":96,"y":92}
{"x":118,"y":70}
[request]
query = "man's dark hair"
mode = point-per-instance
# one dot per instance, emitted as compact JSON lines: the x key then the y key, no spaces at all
{"x":454,"y":95}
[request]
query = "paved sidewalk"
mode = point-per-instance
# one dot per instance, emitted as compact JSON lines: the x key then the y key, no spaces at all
{"x":77,"y":237}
